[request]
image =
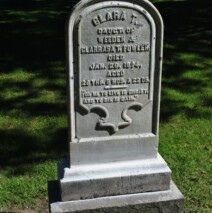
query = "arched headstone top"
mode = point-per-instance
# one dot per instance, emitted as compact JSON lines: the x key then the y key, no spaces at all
{"x":143,"y":3}
{"x":114,"y":55}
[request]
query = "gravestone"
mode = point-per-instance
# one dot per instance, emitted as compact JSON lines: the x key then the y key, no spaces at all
{"x":114,"y":68}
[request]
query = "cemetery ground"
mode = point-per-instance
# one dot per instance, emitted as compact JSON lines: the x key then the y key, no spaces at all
{"x":33,"y":118}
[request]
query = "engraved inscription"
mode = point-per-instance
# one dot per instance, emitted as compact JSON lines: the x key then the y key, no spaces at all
{"x":115,"y":64}
{"x":115,"y":49}
{"x":110,"y":31}
{"x":109,"y":16}
{"x":111,"y":40}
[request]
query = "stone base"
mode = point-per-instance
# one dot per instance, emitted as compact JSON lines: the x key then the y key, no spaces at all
{"x":82,"y":182}
{"x":169,"y":201}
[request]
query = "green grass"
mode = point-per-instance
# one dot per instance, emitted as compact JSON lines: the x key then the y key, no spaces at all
{"x":33,"y":119}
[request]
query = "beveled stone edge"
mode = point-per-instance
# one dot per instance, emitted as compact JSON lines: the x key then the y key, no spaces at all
{"x":112,"y":169}
{"x":89,"y":181}
{"x":121,"y":201}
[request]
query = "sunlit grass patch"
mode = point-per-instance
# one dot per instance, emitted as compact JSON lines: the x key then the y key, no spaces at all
{"x":33,"y":109}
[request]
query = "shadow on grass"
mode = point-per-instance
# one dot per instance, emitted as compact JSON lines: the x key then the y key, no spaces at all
{"x":19,"y":149}
{"x":32,"y":38}
{"x":187,"y":40}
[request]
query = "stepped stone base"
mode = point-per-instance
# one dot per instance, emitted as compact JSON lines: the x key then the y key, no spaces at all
{"x":168,"y":201}
{"x":83,"y":182}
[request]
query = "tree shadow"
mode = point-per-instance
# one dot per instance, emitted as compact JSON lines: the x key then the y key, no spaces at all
{"x":187,"y":40}
{"x":32,"y":38}
{"x":20,"y":150}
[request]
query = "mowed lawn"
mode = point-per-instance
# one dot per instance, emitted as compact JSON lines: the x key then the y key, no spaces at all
{"x":33,"y":111}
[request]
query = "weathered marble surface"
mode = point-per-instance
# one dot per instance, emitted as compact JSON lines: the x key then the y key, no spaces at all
{"x":114,"y":68}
